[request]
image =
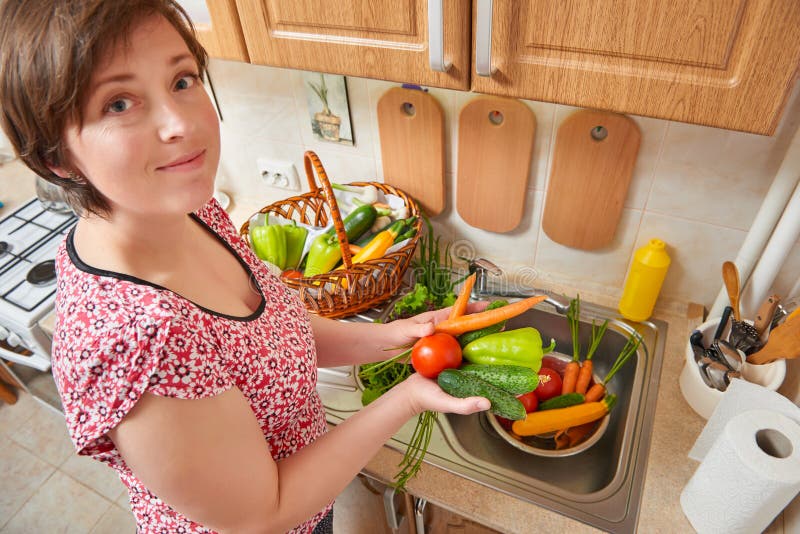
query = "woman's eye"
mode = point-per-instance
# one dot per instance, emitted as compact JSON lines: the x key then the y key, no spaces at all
{"x":119,"y":105}
{"x":186,"y":81}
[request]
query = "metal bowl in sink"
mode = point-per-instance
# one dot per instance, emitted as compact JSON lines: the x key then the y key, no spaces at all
{"x":545,"y":445}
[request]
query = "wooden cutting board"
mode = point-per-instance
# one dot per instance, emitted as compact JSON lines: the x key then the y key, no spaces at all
{"x":495,"y":147}
{"x":411,"y":128}
{"x":593,"y":161}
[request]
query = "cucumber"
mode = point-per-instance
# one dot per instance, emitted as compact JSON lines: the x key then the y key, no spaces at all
{"x":358,"y":222}
{"x":562,"y":401}
{"x":466,"y":337}
{"x":463,"y":385}
{"x":514,"y":379}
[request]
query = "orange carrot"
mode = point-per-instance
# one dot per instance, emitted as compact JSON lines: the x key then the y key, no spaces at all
{"x":573,"y":435}
{"x":570,"y":377}
{"x":595,"y":393}
{"x":474,"y":321}
{"x":584,"y":377}
{"x":460,"y":305}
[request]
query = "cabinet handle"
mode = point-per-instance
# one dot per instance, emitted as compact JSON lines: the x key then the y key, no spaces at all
{"x":436,"y":36}
{"x":419,"y":515}
{"x":483,"y":39}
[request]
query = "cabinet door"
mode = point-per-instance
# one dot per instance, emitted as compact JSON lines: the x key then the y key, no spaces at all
{"x":384,"y":39}
{"x":724,"y":63}
{"x":218,"y":27}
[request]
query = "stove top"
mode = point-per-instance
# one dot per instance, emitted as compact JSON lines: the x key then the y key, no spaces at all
{"x":29,"y":239}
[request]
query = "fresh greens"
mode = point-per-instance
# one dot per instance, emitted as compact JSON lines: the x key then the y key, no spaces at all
{"x":380,"y":377}
{"x":433,"y":275}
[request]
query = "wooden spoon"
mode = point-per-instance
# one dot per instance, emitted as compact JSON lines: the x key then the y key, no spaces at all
{"x":783,"y":342}
{"x":730,"y":275}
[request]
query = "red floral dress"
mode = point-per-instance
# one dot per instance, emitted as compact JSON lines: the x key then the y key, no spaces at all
{"x":117,"y":337}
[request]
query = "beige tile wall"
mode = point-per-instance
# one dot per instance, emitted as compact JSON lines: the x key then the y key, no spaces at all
{"x":695,"y":187}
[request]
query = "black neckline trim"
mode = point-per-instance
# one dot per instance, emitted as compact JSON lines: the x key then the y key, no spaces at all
{"x":81,"y":265}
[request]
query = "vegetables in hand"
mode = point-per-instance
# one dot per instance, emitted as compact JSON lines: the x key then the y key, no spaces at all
{"x":522,"y":346}
{"x":460,"y":305}
{"x":269,"y":243}
{"x":475,"y":321}
{"x":515,"y":379}
{"x":435,"y":353}
{"x":541,"y":422}
{"x":468,"y":337}
{"x":549,"y":384}
{"x":462,"y":385}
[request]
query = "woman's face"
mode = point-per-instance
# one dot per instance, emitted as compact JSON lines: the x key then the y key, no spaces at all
{"x":150,"y":136}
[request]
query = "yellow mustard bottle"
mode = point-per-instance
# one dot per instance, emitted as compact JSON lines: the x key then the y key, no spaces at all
{"x":646,"y":275}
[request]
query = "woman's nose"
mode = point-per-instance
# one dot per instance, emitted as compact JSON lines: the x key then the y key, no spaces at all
{"x":174,"y":120}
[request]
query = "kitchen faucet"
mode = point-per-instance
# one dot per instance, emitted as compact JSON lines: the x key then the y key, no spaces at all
{"x":482,"y":287}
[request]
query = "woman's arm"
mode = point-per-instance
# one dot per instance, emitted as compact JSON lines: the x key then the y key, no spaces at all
{"x":208,"y":459}
{"x":343,"y":343}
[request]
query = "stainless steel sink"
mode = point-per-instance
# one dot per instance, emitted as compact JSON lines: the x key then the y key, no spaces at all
{"x":601,"y":486}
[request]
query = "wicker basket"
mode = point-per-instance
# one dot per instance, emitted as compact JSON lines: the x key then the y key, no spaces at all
{"x":354,"y":288}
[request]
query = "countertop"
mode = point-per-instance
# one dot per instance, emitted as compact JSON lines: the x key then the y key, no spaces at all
{"x":675,"y":428}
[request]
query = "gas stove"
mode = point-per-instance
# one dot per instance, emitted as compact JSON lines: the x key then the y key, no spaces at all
{"x":29,"y":239}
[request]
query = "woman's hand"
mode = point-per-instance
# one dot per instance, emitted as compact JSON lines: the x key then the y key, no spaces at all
{"x":425,"y":394}
{"x":409,"y":330}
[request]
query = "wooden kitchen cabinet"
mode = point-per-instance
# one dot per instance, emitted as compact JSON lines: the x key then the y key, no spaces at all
{"x":384,"y":39}
{"x":218,"y":27}
{"x":724,"y":63}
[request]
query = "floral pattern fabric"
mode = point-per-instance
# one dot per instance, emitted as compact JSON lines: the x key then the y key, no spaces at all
{"x":117,"y":337}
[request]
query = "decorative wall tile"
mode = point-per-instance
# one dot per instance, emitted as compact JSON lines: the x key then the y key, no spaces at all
{"x":258,"y":101}
{"x":605,"y":266}
{"x":697,"y":250}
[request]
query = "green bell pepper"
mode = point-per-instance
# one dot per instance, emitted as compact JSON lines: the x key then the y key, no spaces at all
{"x":295,"y":241}
{"x":269,"y":243}
{"x":323,"y":255}
{"x":522,"y":346}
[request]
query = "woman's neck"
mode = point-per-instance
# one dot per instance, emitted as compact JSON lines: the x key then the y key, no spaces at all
{"x":145,"y":247}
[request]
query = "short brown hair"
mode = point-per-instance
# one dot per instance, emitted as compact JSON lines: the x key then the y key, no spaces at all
{"x":48,"y":52}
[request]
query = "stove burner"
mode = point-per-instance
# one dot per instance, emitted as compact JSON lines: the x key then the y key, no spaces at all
{"x":4,"y":246}
{"x":42,"y":273}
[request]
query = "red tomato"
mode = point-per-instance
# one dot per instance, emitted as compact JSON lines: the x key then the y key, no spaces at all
{"x":529,"y":401}
{"x":549,"y":384}
{"x":505,"y":423}
{"x":433,"y":354}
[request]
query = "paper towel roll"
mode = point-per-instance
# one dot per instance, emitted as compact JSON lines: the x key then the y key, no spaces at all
{"x":751,"y":473}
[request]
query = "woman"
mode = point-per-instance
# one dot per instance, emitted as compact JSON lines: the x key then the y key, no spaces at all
{"x":182,"y":363}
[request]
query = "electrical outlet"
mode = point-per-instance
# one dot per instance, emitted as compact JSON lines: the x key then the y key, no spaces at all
{"x":281,"y":174}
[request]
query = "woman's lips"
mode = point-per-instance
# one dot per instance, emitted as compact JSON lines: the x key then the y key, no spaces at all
{"x":188,"y":162}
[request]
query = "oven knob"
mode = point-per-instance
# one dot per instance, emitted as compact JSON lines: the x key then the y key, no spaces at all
{"x":3,"y":333}
{"x":13,"y":339}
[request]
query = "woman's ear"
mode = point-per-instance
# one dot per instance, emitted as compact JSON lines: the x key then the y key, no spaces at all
{"x":61,"y":172}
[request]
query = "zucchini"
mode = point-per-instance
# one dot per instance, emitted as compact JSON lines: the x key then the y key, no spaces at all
{"x":466,"y":337}
{"x":463,"y":385}
{"x":562,"y":401}
{"x":514,"y":379}
{"x":358,"y":222}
